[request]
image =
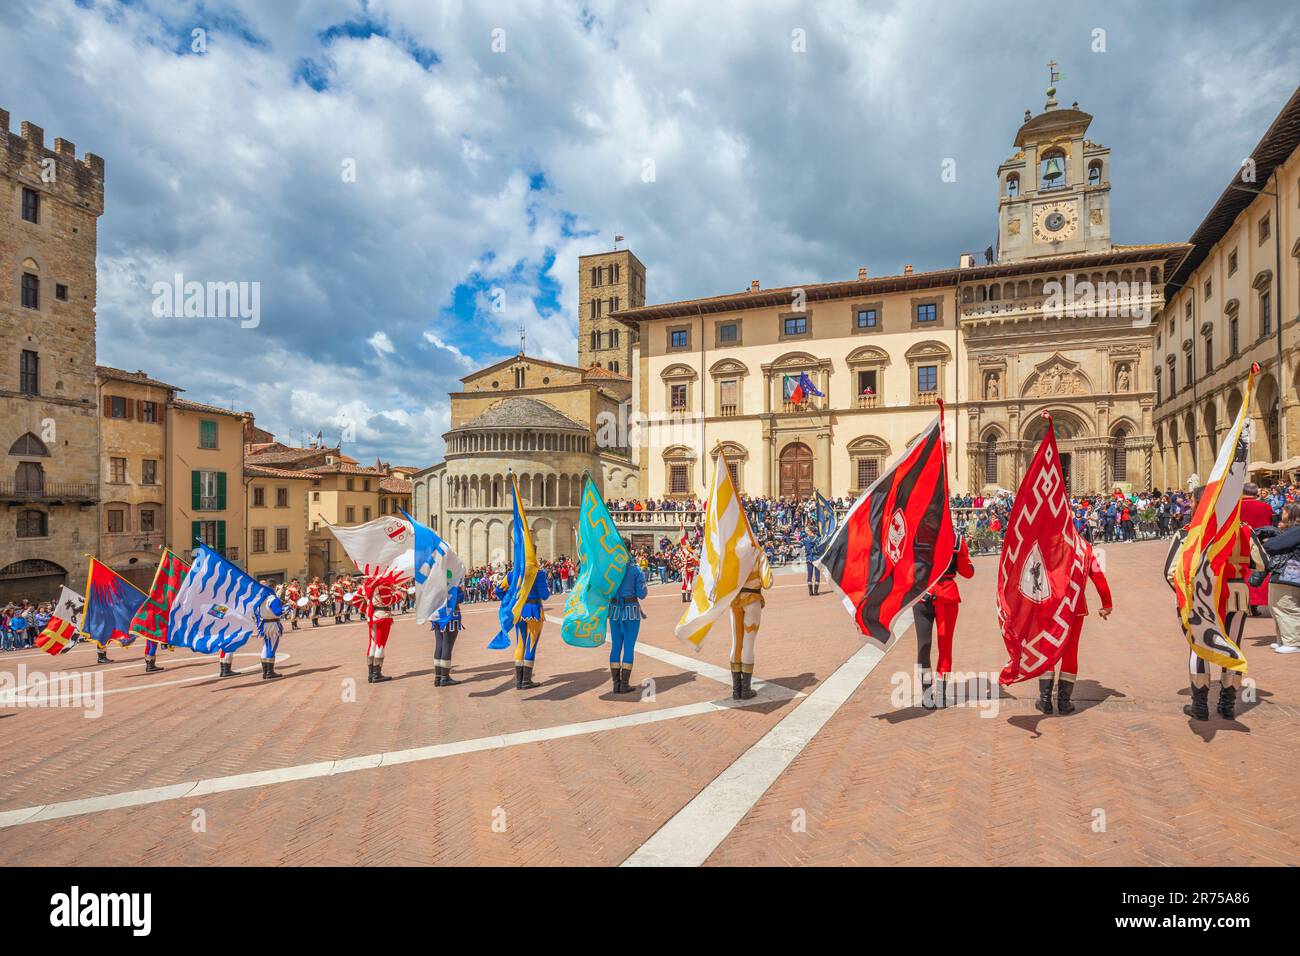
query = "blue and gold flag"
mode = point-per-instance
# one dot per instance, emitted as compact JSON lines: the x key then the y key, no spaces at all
{"x":604,"y":559}
{"x":523,"y":569}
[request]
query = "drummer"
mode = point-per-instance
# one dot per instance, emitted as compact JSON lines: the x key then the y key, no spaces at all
{"x":293,"y":598}
{"x":315,"y":594}
{"x":349,"y":598}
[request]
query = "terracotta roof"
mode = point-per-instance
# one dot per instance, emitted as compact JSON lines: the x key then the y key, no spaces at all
{"x":287,"y":455}
{"x":1277,"y":144}
{"x":397,"y":486}
{"x":344,"y":468}
{"x":139,"y":378}
{"x":187,"y":405}
{"x":522,"y":413}
{"x":595,"y":371}
{"x":261,"y":471}
{"x":939,"y":278}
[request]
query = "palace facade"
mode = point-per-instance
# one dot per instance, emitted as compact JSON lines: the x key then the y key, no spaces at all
{"x":1057,"y":321}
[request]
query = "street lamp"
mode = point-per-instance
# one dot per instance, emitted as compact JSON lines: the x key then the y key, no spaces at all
{"x":1277,"y":275}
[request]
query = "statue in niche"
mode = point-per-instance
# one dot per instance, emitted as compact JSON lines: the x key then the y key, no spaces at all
{"x":991,"y":388}
{"x":1122,"y":379}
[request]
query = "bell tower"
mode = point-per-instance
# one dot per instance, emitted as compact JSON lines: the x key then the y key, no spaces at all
{"x":1055,"y":190}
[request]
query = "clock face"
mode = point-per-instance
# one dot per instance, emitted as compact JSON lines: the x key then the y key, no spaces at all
{"x":1055,"y":221}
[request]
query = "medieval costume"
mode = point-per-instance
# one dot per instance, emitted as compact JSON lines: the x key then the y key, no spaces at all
{"x":625,"y":616}
{"x":689,"y":565}
{"x":272,"y":631}
{"x":528,"y":632}
{"x":746,"y":615}
{"x":446,"y":625}
{"x":1068,"y":664}
{"x":812,"y":550}
{"x":379,"y":594}
{"x":940,"y":605}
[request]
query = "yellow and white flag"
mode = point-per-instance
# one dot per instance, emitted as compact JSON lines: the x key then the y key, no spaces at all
{"x":728,"y":554}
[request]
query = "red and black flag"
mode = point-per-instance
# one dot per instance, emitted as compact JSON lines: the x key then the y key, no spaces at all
{"x":896,"y":540}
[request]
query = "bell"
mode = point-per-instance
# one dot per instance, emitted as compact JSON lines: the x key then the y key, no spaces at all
{"x":1054,"y":171}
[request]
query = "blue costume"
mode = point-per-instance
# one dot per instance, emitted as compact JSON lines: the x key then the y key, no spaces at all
{"x":446,"y":625}
{"x":625,"y":616}
{"x":812,"y":549}
{"x":528,"y":631}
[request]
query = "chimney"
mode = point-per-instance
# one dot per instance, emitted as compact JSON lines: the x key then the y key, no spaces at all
{"x":907,"y":269}
{"x":862,"y":273}
{"x":753,"y":286}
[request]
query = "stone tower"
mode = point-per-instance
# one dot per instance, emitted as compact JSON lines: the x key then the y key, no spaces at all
{"x":50,"y":202}
{"x":1055,"y":191}
{"x":607,"y":282}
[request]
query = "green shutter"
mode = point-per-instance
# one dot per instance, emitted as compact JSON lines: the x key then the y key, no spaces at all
{"x":221,"y":491}
{"x":221,"y":538}
{"x":194,"y":534}
{"x":196,"y":485}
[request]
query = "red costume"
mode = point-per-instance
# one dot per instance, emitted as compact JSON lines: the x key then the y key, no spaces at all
{"x":939,"y":606}
{"x":1256,"y":514}
{"x":1070,"y":653}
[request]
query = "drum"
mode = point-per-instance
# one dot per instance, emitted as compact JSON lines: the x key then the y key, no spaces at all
{"x":348,"y":597}
{"x":301,"y":602}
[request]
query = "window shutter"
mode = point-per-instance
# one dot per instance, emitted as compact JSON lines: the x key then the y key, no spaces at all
{"x":107,"y":401}
{"x":221,"y":533}
{"x":221,"y":491}
{"x":130,"y":407}
{"x":196,"y":485}
{"x":194,"y":533}
{"x":161,"y":412}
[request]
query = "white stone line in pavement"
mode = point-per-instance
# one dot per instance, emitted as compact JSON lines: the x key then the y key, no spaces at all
{"x":696,"y":830}
{"x":266,"y":778}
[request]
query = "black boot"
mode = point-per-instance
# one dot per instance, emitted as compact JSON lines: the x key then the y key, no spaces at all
{"x":102,"y":658}
{"x":447,"y":679}
{"x":526,"y":681}
{"x":1044,"y":702}
{"x":1063,"y":690}
{"x":150,"y":665}
{"x":519,"y":677}
{"x":1199,"y":708}
{"x":927,"y":691}
{"x":735,"y":685}
{"x":338,"y":619}
{"x":817,"y":588}
{"x":294,"y":624}
{"x":379,"y":672}
{"x":1227,"y":702}
{"x":437,"y":675}
{"x":370,"y":671}
{"x":624,"y":681}
{"x":315,"y":622}
{"x":615,"y":676}
{"x":810,"y":590}
{"x":223,"y":668}
{"x":747,"y":692}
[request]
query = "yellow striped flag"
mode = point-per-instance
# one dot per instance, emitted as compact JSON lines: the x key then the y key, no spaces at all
{"x":728,"y":553}
{"x":56,"y":637}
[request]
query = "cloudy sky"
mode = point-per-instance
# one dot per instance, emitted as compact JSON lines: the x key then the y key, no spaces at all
{"x":409,"y":180}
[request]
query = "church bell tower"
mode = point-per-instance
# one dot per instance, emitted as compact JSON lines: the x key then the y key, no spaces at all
{"x":1055,"y":190}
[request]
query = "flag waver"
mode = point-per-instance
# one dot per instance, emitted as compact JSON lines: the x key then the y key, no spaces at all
{"x":56,"y":637}
{"x":111,"y":603}
{"x":435,"y":570}
{"x":896,"y":540}
{"x":1200,"y":567}
{"x":604,"y":559}
{"x":380,"y":545}
{"x":523,"y":570}
{"x":150,"y":620}
{"x":218,"y":606}
{"x":1042,"y":571}
{"x":728,"y":552}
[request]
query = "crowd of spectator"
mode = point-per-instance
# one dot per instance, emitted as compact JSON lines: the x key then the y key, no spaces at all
{"x":21,"y":623}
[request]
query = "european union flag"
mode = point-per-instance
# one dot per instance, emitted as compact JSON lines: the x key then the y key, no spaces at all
{"x":604,"y":559}
{"x":523,"y":569}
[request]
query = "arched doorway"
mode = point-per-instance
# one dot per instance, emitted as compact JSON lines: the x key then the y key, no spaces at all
{"x":796,"y":471}
{"x":33,"y":580}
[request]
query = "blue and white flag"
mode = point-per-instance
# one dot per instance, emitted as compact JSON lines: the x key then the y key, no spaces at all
{"x":218,"y":606}
{"x":437,"y":569}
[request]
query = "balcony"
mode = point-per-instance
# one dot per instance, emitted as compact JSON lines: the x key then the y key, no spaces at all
{"x":812,"y":404}
{"x":928,"y":398}
{"x":868,"y":401}
{"x":728,"y":411}
{"x":50,"y":492}
{"x":113,"y":543}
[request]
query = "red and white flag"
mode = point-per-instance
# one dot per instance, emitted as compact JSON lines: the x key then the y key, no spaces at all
{"x":1043,"y":570}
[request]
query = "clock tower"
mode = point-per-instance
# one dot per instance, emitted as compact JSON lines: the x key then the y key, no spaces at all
{"x":1055,"y":190}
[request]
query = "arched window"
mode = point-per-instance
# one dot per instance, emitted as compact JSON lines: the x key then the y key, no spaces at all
{"x":1051,"y":170}
{"x":1119,"y":456}
{"x":991,"y":462}
{"x":1013,"y":185}
{"x":1094,"y":173}
{"x":29,"y":446}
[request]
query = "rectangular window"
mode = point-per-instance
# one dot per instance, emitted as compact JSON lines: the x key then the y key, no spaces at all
{"x":31,"y":205}
{"x":259,"y":497}
{"x":383,"y":506}
{"x":1209,"y":290}
{"x":60,"y":292}
{"x":727,"y":396}
{"x":352,"y":484}
{"x":29,"y":365}
{"x":209,"y":490}
{"x":149,"y":471}
{"x":116,"y":406}
{"x":1159,"y":395}
{"x":927,"y":311}
{"x":867,"y":318}
{"x":148,"y":412}
{"x":727,"y":332}
{"x":365,"y":484}
{"x":31,"y":291}
{"x":677,"y":479}
{"x":259,"y":540}
{"x":147,"y":519}
{"x":1209,"y":353}
{"x":868,"y":471}
{"x":1265,"y":230}
{"x":315,"y":496}
{"x":351,"y":514}
{"x":207,"y":434}
{"x":794,"y":325}
{"x":867,"y":383}
{"x":365,"y":514}
{"x":927,"y":378}
{"x":679,"y":338}
{"x":206,"y":531}
{"x":678,"y":397}
{"x":1232,"y":262}
{"x":116,"y":521}
{"x":282,"y":497}
{"x":282,"y":539}
{"x":117,"y":471}
{"x":1232,"y":336}
{"x":595,"y":308}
